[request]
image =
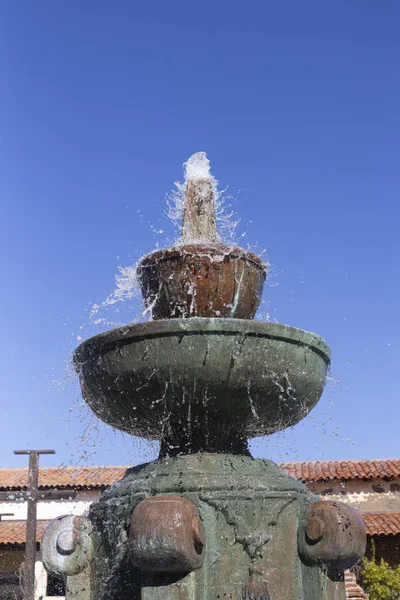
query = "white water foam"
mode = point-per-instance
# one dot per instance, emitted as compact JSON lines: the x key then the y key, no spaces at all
{"x":197,"y":167}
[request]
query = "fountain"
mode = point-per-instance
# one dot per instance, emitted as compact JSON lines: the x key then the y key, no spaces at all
{"x":205,"y":520}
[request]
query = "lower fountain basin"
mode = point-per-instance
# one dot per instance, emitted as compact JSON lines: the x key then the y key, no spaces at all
{"x":203,"y":379}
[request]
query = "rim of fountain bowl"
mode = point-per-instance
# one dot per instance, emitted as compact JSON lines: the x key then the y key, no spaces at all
{"x":201,"y":326}
{"x":200,"y":248}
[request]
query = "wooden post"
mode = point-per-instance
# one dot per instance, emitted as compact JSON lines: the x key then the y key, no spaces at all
{"x":30,"y":545}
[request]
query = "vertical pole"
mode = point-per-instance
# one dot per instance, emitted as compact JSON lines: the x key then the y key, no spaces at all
{"x":30,"y":546}
{"x":199,"y":216}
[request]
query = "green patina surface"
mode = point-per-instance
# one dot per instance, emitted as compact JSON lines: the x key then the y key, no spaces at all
{"x":250,"y":513}
{"x":203,"y":384}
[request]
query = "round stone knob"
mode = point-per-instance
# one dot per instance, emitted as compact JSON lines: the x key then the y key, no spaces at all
{"x":67,"y":541}
{"x":166,"y":535}
{"x":315,"y":529}
{"x":67,"y":546}
{"x":332,"y":534}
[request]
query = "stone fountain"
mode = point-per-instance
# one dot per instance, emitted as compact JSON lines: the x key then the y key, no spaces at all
{"x":205,"y":520}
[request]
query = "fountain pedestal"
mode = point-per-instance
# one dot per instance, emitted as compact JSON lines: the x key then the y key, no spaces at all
{"x":206,"y":520}
{"x":258,"y":535}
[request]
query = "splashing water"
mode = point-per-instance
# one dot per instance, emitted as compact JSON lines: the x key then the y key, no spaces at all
{"x":196,"y":170}
{"x":127,"y":288}
{"x":197,"y":167}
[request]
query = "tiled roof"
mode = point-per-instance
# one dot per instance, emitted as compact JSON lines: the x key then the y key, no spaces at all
{"x":63,"y":478}
{"x":379,"y":523}
{"x":382,"y":523}
{"x":353,"y":590}
{"x":342,"y":469}
{"x":14,"y":532}
{"x":100,"y":477}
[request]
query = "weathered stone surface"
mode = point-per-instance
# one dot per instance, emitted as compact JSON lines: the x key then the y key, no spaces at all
{"x":166,"y":535}
{"x":199,"y":215}
{"x":67,"y":547}
{"x":67,"y":552}
{"x":250,"y":513}
{"x":202,"y":280}
{"x":332,"y":534}
{"x":202,"y":384}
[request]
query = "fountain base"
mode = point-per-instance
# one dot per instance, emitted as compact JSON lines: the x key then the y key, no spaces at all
{"x":214,"y":526}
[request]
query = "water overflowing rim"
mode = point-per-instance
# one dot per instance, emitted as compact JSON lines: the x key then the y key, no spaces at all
{"x":202,"y":248}
{"x":201,"y":326}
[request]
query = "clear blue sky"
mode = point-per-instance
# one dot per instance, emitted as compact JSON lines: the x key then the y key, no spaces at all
{"x":297,"y":106}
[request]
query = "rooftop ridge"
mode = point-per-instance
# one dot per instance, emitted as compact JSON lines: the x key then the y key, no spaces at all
{"x":98,"y":477}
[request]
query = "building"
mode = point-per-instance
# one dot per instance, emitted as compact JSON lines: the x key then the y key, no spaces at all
{"x":372,"y":486}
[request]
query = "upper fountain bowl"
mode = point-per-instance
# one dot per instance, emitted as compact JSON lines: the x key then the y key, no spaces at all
{"x":202,"y":280}
{"x":202,"y":384}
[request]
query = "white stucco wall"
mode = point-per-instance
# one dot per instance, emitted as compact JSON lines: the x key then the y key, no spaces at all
{"x":372,"y":496}
{"x":50,"y":509}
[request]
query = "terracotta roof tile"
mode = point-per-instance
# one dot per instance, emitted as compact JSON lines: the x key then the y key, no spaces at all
{"x":342,"y":470}
{"x":381,"y":523}
{"x":14,"y":532}
{"x":353,"y":590}
{"x":100,"y":477}
{"x":61,"y":478}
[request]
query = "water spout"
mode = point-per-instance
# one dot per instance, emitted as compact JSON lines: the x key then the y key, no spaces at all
{"x":199,"y":215}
